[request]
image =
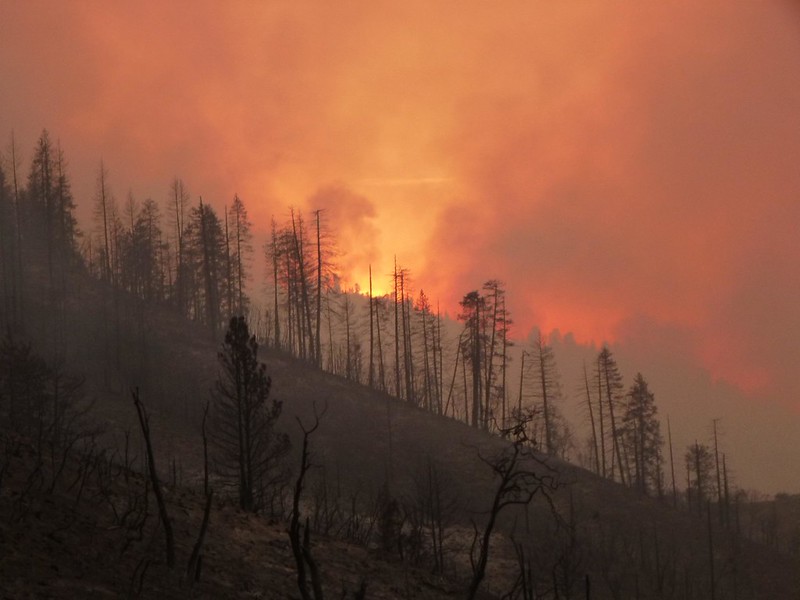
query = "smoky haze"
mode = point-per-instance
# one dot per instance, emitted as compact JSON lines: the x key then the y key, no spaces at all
{"x":628,"y":171}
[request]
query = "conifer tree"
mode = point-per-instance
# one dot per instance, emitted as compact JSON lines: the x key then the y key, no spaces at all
{"x":244,"y":419}
{"x":473,"y":308}
{"x":641,"y":431}
{"x":211,"y":242}
{"x":49,"y":220}
{"x":240,"y":251}
{"x":148,"y":243}
{"x":65,"y":229}
{"x":610,"y":395}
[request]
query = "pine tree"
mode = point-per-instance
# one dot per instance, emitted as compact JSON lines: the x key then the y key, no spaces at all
{"x":641,"y":432}
{"x":240,"y":252}
{"x":65,"y":229}
{"x":473,"y":340}
{"x":49,"y":218}
{"x":204,"y":265}
{"x":610,"y":395}
{"x":148,"y":243}
{"x":211,"y":244}
{"x":244,"y":419}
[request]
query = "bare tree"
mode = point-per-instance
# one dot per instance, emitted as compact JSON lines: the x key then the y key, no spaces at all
{"x":408,"y":344}
{"x":18,"y":315}
{"x":718,"y":468}
{"x":395,"y":282}
{"x":547,"y":393}
{"x":371,"y":372}
{"x":493,"y":303}
{"x":429,"y":399}
{"x":699,"y":469}
{"x":672,"y":465}
{"x":105,"y":213}
{"x":434,"y":504}
{"x":273,"y":256}
{"x":520,"y":476}
{"x":8,"y":278}
{"x":318,"y":322}
{"x":144,"y":422}
{"x":180,"y":198}
{"x":595,"y":448}
{"x":300,"y":536}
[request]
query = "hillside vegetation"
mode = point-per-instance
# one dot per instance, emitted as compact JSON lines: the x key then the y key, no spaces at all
{"x":403,"y":495}
{"x":373,"y":455}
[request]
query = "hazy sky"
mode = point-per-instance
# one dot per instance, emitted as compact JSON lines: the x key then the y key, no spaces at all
{"x":629,"y":169}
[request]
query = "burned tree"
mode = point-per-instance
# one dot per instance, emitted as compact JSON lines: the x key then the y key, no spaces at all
{"x":299,"y":536}
{"x":496,"y":344}
{"x":700,"y":486}
{"x":521,"y":476}
{"x":552,"y":433}
{"x":179,"y":196}
{"x":144,"y":422}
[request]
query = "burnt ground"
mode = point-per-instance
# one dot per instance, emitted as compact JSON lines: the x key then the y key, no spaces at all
{"x":53,"y":545}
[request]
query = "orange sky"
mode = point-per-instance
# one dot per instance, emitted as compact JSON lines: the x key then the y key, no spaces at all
{"x":628,"y":169}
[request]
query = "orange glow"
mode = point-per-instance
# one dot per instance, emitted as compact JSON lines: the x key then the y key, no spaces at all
{"x":608,"y":162}
{"x":722,"y":360}
{"x":360,"y":282}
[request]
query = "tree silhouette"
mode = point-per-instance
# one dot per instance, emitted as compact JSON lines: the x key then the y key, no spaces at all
{"x":105,"y":213}
{"x":642,"y":437}
{"x":244,"y":419}
{"x":610,"y":389}
{"x":8,"y":250}
{"x":546,"y":390}
{"x":473,"y":306}
{"x":700,"y":485}
{"x":240,"y":248}
{"x":519,"y":476}
{"x":179,"y":196}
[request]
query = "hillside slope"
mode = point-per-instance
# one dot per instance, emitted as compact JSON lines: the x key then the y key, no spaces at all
{"x":371,"y":451}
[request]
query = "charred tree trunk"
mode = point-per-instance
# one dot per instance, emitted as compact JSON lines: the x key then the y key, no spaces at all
{"x":591,"y":420}
{"x":371,"y":373}
{"x":144,"y":422}
{"x":298,"y":536}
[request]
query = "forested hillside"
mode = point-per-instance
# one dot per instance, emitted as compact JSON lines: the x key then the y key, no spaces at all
{"x":354,"y":443}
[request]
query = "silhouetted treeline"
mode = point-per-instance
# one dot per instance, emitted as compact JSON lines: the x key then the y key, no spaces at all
{"x":188,"y":258}
{"x":185,"y":255}
{"x":192,"y":260}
